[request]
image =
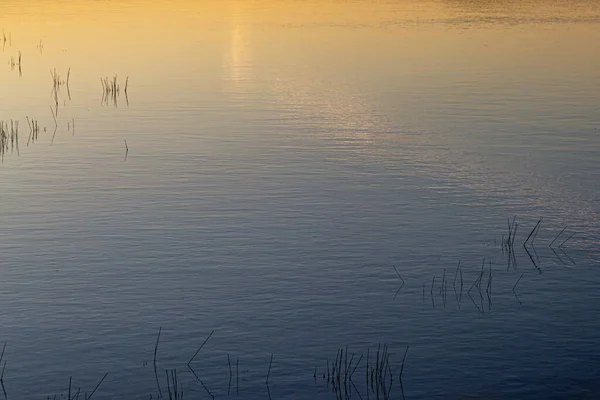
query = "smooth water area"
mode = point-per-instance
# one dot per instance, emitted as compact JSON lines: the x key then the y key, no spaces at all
{"x":298,"y":177}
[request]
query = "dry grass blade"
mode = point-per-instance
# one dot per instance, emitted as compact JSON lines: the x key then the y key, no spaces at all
{"x":456,"y":274}
{"x":175,"y":392}
{"x":398,"y":291}
{"x":2,"y":374}
{"x":557,"y":236}
{"x":356,"y":366}
{"x":2,"y":354}
{"x":55,"y":126}
{"x":397,"y":273}
{"x":269,"y":372}
{"x":566,"y":240}
{"x":200,"y":348}
{"x":97,"y":386}
{"x":516,"y":283}
{"x":200,"y":380}
{"x":532,"y":231}
{"x":402,"y":365}
{"x":155,"y":371}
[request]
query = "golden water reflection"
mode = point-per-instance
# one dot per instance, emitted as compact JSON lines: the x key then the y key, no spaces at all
{"x":366,"y":75}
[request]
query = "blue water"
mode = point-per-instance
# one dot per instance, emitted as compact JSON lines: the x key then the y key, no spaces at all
{"x":278,"y":173}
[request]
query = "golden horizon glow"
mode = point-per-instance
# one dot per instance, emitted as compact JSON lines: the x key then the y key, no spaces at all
{"x":155,"y":42}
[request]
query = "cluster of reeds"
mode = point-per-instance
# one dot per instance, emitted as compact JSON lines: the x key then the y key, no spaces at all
{"x":15,"y":62}
{"x":508,"y":247}
{"x":341,"y":370}
{"x":174,"y":390}
{"x":379,"y":377}
{"x":378,"y":374}
{"x":111,"y":90}
{"x":529,"y":244}
{"x":57,"y":81}
{"x":34,"y":130}
{"x":477,"y":286}
{"x":9,"y":137}
{"x":111,"y":86}
{"x":76,"y":394}
{"x":479,"y":292}
{"x":559,"y":248}
{"x":443,"y":289}
{"x":71,"y":393}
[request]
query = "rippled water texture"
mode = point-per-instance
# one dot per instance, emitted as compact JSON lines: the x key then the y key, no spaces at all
{"x":298,"y":177}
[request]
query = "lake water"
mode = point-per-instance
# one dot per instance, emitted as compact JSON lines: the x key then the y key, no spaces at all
{"x":264,"y":167}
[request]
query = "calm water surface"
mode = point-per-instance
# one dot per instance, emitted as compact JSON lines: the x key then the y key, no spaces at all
{"x":283,"y":157}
